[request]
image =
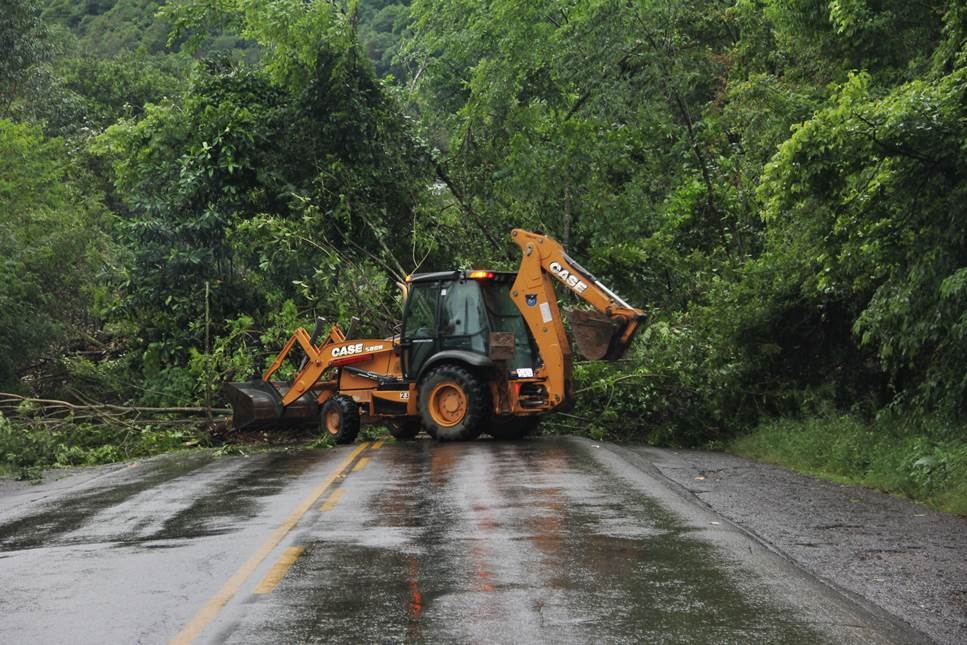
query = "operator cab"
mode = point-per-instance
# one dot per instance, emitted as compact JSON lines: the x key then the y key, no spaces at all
{"x":459,"y":311}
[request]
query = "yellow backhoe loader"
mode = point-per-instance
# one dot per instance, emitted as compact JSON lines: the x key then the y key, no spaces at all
{"x":478,"y":352}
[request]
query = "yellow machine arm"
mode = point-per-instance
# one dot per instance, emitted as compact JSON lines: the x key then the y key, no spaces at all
{"x":605,"y":333}
{"x":333,"y":351}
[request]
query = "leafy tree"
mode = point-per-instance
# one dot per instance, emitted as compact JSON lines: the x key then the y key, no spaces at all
{"x":382,"y":27}
{"x":23,"y":45}
{"x":890,"y":39}
{"x":877,"y":179}
{"x":190,"y":173}
{"x":108,"y":28}
{"x":588,"y":121}
{"x":53,"y":245}
{"x":288,"y":182}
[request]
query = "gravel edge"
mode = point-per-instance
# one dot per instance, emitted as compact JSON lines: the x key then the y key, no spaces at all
{"x":903,"y":557}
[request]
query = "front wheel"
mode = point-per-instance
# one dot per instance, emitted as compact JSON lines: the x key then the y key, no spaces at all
{"x":453,"y":403}
{"x":340,"y":418}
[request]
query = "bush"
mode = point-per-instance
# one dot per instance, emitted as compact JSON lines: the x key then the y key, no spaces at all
{"x":664,"y":392}
{"x":924,"y":461}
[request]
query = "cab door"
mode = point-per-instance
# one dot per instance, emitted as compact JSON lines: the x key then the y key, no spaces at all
{"x":420,"y":338}
{"x":463,"y":317}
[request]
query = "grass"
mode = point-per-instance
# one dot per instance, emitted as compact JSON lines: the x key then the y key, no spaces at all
{"x":924,"y":461}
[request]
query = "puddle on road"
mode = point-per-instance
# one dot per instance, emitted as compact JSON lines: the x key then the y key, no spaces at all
{"x":70,"y":512}
{"x":224,"y":506}
{"x":232,"y":501}
{"x":520,"y":542}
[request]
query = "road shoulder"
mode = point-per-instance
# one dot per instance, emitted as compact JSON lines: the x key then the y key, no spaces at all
{"x":900,"y":556}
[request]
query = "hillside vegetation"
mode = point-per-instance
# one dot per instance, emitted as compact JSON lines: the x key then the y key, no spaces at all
{"x":779,"y":183}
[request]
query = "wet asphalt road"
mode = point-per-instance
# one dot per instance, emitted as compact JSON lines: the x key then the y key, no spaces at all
{"x":552,"y":540}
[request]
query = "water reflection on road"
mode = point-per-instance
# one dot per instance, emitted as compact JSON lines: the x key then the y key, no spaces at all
{"x":507,"y":542}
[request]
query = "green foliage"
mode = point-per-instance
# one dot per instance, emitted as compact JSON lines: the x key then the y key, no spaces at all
{"x":296,"y":181}
{"x":107,"y":28}
{"x":193,"y":172}
{"x":924,"y":461}
{"x":167,"y":385}
{"x":890,"y":38}
{"x":100,"y":377}
{"x":244,"y":351}
{"x":869,"y":190}
{"x":52,"y":243}
{"x":231,"y":355}
{"x":105,"y":90}
{"x":520,"y":90}
{"x":659,"y":393}
{"x":28,"y":447}
{"x":373,"y":433}
{"x":23,"y":46}
{"x":382,"y":29}
{"x":290,"y":32}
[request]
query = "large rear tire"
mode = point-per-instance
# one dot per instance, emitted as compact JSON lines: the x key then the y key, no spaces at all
{"x":454,"y":404}
{"x":340,"y":418}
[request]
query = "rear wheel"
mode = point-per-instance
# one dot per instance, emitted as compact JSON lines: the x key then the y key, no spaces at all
{"x":511,"y":428}
{"x":404,"y":429}
{"x":340,"y":418}
{"x":453,"y":403}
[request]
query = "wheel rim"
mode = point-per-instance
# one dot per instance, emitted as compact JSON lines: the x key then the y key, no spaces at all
{"x":332,"y":422}
{"x":448,"y":404}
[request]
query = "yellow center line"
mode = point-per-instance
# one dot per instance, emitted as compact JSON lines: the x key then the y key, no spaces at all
{"x":211,"y":608}
{"x":360,"y":464}
{"x":332,"y":500}
{"x":379,"y":444}
{"x":279,"y":569}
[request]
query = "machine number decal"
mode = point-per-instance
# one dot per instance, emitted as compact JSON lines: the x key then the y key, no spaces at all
{"x":404,"y":396}
{"x":546,"y":312}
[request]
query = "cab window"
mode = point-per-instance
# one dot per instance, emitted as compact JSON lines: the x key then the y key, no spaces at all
{"x":463,"y":311}
{"x":421,"y":311}
{"x":506,"y":317}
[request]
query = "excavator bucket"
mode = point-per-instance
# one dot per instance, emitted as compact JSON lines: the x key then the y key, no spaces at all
{"x":257,"y":404}
{"x":597,"y":336}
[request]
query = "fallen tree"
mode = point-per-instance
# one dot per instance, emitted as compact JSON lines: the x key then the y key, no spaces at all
{"x":56,"y":413}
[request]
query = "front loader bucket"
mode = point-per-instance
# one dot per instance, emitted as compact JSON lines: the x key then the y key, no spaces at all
{"x":596,"y":335}
{"x":258,"y":404}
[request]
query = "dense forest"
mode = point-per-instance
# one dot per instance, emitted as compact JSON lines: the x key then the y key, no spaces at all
{"x":779,"y":183}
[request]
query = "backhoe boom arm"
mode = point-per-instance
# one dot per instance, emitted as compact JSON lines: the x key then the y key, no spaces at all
{"x":602,"y":335}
